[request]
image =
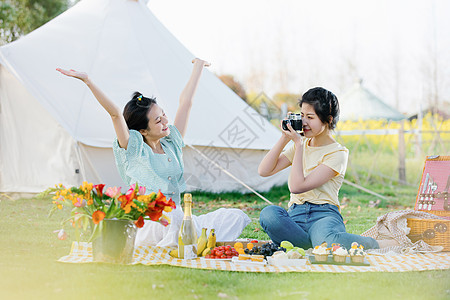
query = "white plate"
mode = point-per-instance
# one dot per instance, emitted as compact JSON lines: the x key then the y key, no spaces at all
{"x":248,"y":262}
{"x":287,"y":262}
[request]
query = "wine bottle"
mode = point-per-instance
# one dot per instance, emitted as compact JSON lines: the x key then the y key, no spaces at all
{"x":187,"y":238}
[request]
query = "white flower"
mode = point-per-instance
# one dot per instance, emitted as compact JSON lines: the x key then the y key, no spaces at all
{"x":62,"y":234}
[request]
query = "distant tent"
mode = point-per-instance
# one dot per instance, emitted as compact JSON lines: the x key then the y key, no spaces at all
{"x":52,"y":130}
{"x":360,"y":104}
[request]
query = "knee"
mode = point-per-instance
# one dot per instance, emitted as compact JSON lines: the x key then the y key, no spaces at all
{"x":270,"y":214}
{"x":327,"y":230}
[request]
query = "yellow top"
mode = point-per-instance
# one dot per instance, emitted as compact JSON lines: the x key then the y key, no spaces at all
{"x":334,"y":156}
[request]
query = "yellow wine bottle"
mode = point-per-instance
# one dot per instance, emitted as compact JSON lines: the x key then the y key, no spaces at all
{"x":187,"y":237}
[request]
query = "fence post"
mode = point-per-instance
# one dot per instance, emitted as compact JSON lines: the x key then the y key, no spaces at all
{"x":401,"y":153}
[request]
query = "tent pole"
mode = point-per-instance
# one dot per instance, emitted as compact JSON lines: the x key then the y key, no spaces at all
{"x":364,"y":189}
{"x":229,"y":174}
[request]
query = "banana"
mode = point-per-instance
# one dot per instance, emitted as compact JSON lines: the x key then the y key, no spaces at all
{"x":201,"y":242}
{"x":206,"y":251}
{"x":174,"y":253}
{"x":211,"y":239}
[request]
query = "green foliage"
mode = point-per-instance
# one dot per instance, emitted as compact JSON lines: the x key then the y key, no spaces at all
{"x":19,"y":17}
{"x":290,"y":99}
{"x":235,"y":85}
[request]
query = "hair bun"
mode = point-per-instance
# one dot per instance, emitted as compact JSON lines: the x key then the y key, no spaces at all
{"x":136,"y":95}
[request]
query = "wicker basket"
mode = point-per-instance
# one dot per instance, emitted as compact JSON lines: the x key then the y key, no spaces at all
{"x":434,"y":232}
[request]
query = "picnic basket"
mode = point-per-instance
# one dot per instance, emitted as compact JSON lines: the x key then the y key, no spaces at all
{"x":433,"y":197}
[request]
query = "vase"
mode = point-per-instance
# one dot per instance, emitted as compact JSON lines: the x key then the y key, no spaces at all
{"x":115,"y":243}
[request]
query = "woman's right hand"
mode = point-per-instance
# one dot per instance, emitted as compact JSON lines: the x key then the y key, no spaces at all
{"x":75,"y":74}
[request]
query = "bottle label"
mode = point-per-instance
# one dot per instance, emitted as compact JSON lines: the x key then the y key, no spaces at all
{"x":190,"y":251}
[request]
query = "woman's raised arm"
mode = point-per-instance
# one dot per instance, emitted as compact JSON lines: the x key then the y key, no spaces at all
{"x":184,"y":108}
{"x":120,"y":126}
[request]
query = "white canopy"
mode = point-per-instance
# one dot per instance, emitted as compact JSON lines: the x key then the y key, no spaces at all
{"x":53,"y":130}
{"x":360,"y":104}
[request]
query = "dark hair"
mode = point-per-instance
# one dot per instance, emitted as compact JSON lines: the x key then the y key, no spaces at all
{"x":135,"y":111}
{"x":325,"y":104}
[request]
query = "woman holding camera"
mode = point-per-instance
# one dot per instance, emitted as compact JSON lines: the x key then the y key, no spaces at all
{"x":148,"y":151}
{"x":318,"y":168}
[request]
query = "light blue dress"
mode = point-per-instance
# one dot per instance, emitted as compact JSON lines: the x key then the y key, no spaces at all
{"x":155,"y":171}
{"x":165,"y":171}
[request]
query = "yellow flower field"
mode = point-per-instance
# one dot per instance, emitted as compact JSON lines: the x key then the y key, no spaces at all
{"x":374,"y":147}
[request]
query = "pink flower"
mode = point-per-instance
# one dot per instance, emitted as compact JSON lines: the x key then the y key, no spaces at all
{"x":141,"y":189}
{"x":113,"y":192}
{"x":165,"y":220}
{"x":80,"y":202}
{"x":62,"y":235}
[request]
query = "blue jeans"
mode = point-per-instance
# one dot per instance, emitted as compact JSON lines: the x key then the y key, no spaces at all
{"x":309,"y":225}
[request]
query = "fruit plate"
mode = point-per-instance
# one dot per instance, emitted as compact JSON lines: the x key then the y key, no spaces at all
{"x":330,"y":261}
{"x":287,"y":262}
{"x":216,"y":259}
{"x":248,"y":262}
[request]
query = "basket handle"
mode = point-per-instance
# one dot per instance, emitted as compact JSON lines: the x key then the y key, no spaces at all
{"x":428,"y":234}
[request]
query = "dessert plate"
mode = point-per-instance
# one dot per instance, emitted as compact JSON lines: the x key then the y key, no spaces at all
{"x":330,"y":261}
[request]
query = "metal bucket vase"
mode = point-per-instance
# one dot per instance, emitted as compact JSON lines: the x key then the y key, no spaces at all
{"x":115,"y":243}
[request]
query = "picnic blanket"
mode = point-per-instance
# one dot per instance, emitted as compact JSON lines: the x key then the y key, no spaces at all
{"x":152,"y":255}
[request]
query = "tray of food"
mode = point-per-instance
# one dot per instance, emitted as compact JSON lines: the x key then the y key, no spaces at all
{"x":338,"y":255}
{"x":250,"y":260}
{"x":290,"y":256}
{"x":287,"y":262}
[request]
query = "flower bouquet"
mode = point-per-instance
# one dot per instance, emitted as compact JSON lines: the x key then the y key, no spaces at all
{"x":106,"y":210}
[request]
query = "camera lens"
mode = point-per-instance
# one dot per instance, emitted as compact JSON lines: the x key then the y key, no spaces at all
{"x":297,"y":125}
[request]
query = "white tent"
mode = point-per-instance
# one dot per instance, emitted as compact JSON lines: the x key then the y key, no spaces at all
{"x":52,"y":129}
{"x":360,"y":104}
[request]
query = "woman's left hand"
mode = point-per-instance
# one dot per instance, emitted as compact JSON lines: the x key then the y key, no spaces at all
{"x":201,"y":61}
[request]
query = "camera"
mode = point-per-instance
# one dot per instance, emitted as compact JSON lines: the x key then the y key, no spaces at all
{"x":295,"y":120}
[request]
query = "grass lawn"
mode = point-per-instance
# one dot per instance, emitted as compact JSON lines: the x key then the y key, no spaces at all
{"x":29,"y":250}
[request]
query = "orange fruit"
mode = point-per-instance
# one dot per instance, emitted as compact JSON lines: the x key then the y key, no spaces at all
{"x":238,"y":245}
{"x":249,"y":246}
{"x":240,"y":250}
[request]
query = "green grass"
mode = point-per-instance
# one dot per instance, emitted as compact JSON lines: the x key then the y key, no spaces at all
{"x":29,"y":250}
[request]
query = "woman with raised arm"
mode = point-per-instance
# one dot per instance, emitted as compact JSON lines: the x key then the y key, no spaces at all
{"x":148,"y":150}
{"x":318,"y":168}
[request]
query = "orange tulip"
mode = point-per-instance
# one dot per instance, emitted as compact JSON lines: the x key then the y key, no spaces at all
{"x":139,"y":222}
{"x":98,"y":216}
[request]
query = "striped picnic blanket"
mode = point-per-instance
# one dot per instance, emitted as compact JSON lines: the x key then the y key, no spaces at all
{"x":82,"y":253}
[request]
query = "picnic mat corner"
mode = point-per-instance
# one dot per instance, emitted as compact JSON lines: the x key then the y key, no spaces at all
{"x":81,"y":252}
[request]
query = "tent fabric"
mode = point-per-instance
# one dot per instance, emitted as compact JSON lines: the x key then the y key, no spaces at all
{"x":57,"y":132}
{"x":360,"y":104}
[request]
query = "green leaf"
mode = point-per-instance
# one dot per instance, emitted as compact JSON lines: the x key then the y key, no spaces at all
{"x":110,"y":211}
